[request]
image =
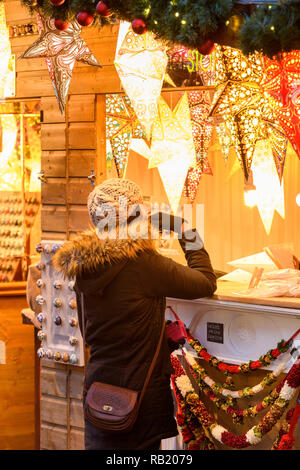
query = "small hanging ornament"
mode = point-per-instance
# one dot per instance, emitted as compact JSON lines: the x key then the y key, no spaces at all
{"x":61,"y":25}
{"x":57,"y":3}
{"x":139,"y":26}
{"x":207,"y":47}
{"x":84,"y":18}
{"x":103,"y":10}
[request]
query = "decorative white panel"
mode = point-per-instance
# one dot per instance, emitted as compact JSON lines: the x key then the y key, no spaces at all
{"x":247,"y":331}
{"x":60,"y":336}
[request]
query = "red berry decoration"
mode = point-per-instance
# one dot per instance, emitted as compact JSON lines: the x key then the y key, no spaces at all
{"x":139,"y":26}
{"x":61,"y":25}
{"x":102,"y":9}
{"x":56,"y":3}
{"x":207,"y":47}
{"x":84,"y":18}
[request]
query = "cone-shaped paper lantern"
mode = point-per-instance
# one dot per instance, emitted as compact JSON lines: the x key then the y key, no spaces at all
{"x":269,"y":190}
{"x":173,"y":174}
{"x":61,"y":50}
{"x":282,"y":83}
{"x":121,"y":126}
{"x":141,"y":63}
{"x":172,"y":133}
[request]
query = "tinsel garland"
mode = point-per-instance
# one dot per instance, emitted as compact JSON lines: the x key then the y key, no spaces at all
{"x":247,"y":392}
{"x":186,"y":392}
{"x":192,"y":22}
{"x":250,"y":366}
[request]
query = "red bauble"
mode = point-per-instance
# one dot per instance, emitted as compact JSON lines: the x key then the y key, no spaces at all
{"x":207,"y":47}
{"x":102,"y":9}
{"x":139,"y":26}
{"x":84,"y":18}
{"x":56,"y":3}
{"x":61,"y":25}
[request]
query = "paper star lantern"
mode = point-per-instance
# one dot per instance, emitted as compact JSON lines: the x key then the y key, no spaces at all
{"x":141,"y":63}
{"x":61,"y":50}
{"x":121,"y":126}
{"x":269,"y":191}
{"x":7,"y":69}
{"x":246,"y":110}
{"x":224,"y":139}
{"x":172,"y":133}
{"x":282,"y":83}
{"x":199,"y":102}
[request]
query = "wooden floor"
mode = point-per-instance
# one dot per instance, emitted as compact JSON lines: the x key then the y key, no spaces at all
{"x":17,"y":410}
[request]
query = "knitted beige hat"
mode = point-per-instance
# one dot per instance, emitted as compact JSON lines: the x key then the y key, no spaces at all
{"x":107,"y":196}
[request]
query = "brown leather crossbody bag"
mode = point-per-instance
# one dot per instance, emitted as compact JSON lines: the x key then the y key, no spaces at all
{"x":111,"y":408}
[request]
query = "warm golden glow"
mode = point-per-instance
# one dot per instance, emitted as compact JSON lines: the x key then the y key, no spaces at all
{"x":7,"y":60}
{"x":141,"y":63}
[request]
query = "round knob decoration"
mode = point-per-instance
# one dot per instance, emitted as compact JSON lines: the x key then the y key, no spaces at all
{"x":58,"y":320}
{"x":73,"y":322}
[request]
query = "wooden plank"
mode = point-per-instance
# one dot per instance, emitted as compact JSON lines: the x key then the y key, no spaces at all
{"x":85,"y":80}
{"x":76,"y":383}
{"x":50,"y":108}
{"x":54,"y":382}
{"x":76,"y":439}
{"x":53,"y":136}
{"x":54,"y":191}
{"x":79,"y":189}
{"x":53,"y":163}
{"x":53,"y":437}
{"x":101,"y":166}
{"x":81,"y":162}
{"x":82,"y":135}
{"x":76,"y":413}
{"x":52,"y":236}
{"x":81,"y":108}
{"x":79,"y":218}
{"x":54,"y":410}
{"x":54,"y":218}
{"x":15,"y":11}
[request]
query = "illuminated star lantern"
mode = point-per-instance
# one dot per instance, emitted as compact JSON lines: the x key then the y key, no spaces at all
{"x":122,"y":126}
{"x":246,"y":109}
{"x":282,"y":83}
{"x":6,"y":59}
{"x":172,"y":133}
{"x":269,"y":191}
{"x":61,"y":50}
{"x":224,"y":139}
{"x":199,"y":103}
{"x":141,"y":63}
{"x":172,"y":148}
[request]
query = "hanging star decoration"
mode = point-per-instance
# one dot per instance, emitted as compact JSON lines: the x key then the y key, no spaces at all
{"x":122,"y":126}
{"x":282,"y":84}
{"x":141,"y":63}
{"x":172,"y":133}
{"x":245,"y":108}
{"x":269,"y":190}
{"x":202,"y":124}
{"x":172,"y":147}
{"x":61,"y":50}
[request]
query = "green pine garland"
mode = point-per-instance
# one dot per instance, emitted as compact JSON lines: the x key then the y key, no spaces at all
{"x":191,"y":22}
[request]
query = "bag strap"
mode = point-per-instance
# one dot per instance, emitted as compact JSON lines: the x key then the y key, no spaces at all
{"x":152,"y":365}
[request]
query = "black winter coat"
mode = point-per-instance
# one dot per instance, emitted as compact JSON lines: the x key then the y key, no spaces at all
{"x":124,"y":283}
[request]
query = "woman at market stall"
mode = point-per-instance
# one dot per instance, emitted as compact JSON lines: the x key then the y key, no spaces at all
{"x":123,"y":281}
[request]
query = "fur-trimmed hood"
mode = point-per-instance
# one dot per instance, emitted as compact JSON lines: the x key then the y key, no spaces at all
{"x":87,"y":253}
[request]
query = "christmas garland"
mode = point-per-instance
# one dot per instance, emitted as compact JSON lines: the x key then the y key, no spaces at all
{"x":192,"y":23}
{"x":247,"y":392}
{"x":191,"y":401}
{"x":263,"y":361}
